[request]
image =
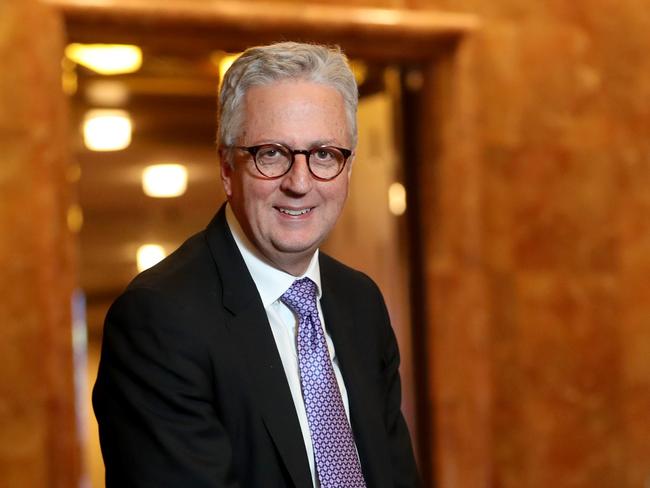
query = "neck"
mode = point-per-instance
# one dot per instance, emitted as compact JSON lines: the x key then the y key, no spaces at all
{"x":295,"y":267}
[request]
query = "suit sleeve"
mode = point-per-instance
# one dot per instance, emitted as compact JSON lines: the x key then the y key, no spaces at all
{"x":405,"y":474}
{"x":153,"y":400}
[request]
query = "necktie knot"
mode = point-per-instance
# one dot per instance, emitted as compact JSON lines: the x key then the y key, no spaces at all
{"x":301,"y":297}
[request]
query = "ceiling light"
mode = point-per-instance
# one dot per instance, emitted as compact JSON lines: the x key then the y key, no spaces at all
{"x":75,"y":218}
{"x":223,"y":61}
{"x":164,"y":180}
{"x":106,"y":59}
{"x":359,"y":70}
{"x":148,"y":255}
{"x":397,"y":199}
{"x":107,"y":93}
{"x":107,"y":130}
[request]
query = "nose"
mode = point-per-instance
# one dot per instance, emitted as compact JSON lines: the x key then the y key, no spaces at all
{"x":298,"y":180}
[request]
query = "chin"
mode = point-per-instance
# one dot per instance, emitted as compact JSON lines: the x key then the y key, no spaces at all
{"x":296,"y":247}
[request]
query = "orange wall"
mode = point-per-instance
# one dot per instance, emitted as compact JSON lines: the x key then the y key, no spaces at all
{"x":563,"y":96}
{"x":38,"y":443}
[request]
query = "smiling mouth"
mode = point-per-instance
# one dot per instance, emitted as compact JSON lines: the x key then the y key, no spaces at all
{"x":294,"y":213}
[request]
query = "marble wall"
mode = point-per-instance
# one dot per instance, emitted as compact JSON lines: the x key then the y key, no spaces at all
{"x":539,"y":255}
{"x":38,"y":441}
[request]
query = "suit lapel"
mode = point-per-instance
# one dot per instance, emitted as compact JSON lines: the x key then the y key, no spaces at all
{"x":249,"y":326}
{"x":365,"y":416}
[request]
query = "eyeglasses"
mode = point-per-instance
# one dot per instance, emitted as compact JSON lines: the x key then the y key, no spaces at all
{"x":275,"y":160}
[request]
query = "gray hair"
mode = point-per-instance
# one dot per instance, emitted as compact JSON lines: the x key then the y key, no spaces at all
{"x":264,"y":65}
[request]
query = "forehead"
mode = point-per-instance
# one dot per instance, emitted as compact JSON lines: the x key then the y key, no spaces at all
{"x":294,"y":112}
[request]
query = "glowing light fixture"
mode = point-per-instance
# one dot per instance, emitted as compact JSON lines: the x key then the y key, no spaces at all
{"x":359,"y":70}
{"x":75,"y":218}
{"x":397,"y":199}
{"x":223,"y":61}
{"x":164,"y":180}
{"x":107,"y":130}
{"x":106,"y":59}
{"x":148,"y":255}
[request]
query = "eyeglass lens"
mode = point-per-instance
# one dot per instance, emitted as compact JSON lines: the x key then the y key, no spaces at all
{"x":274,"y":160}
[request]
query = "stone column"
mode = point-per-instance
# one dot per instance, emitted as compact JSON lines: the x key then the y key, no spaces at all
{"x":38,"y":438}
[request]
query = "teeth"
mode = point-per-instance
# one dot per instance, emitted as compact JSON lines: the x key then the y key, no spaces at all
{"x":294,"y":212}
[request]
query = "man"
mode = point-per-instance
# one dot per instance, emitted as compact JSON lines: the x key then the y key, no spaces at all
{"x":247,"y":358}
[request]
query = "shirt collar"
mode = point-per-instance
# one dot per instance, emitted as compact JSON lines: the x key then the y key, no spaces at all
{"x":271,"y":282}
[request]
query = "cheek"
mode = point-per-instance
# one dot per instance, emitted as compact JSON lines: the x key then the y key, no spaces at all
{"x":337,"y":196}
{"x":256,"y":195}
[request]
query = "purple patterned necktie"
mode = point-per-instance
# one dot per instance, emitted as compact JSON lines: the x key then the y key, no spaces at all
{"x":337,"y":463}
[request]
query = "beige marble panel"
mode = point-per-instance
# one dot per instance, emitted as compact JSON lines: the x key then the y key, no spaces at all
{"x":38,"y":443}
{"x":563,"y":254}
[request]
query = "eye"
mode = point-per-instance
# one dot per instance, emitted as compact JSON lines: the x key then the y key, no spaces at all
{"x":325,"y":154}
{"x":268,"y":152}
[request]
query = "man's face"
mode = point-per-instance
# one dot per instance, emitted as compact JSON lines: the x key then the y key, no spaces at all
{"x":300,"y":115}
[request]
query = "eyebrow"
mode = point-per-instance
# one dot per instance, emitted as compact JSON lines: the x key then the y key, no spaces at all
{"x":323,"y":142}
{"x":316,"y":143}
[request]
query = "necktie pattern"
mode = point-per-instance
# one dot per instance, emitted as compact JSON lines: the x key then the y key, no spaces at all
{"x":337,"y":462}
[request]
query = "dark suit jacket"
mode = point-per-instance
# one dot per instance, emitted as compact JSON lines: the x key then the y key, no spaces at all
{"x":191,"y":391}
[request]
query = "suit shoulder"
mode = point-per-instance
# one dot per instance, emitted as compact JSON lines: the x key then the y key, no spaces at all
{"x":187,"y":272}
{"x":345,"y":276}
{"x":182,"y":293}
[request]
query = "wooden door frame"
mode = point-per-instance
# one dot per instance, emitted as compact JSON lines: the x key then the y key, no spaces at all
{"x":441,"y":44}
{"x":371,"y":33}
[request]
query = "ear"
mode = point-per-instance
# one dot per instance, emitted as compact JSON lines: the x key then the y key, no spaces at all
{"x":349,"y":164}
{"x":226,"y":170}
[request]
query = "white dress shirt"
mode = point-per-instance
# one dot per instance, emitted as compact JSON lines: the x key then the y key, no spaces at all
{"x":271,"y":284}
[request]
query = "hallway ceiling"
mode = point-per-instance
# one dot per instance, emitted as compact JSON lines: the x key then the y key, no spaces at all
{"x":172,"y":103}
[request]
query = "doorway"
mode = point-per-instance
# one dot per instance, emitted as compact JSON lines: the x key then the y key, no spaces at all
{"x":171,"y":102}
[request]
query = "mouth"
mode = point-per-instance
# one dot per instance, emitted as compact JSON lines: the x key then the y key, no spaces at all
{"x":293,"y":212}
